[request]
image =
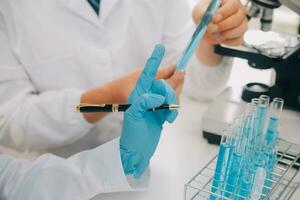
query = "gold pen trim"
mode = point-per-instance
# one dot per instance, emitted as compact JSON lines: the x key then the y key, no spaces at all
{"x":115,"y":108}
{"x":173,"y":107}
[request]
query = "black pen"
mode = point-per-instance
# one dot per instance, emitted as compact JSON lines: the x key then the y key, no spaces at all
{"x":91,"y":108}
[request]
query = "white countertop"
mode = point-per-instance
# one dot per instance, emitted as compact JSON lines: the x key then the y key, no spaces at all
{"x":182,"y":152}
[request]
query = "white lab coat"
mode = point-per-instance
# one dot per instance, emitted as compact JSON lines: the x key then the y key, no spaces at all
{"x":80,"y":177}
{"x":51,"y":51}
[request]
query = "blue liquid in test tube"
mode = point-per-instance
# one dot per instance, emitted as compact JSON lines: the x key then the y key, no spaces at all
{"x":272,"y":131}
{"x":271,"y":139}
{"x":198,"y":34}
{"x":233,"y":170}
{"x":221,"y":165}
{"x":263,"y":104}
{"x":255,"y":126}
{"x":246,"y":180}
{"x":272,"y":134}
{"x":233,"y":174}
{"x":248,"y":168}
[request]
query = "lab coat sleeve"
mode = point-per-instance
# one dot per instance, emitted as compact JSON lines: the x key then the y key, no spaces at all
{"x":201,"y":81}
{"x":82,"y":176}
{"x":30,"y":120}
{"x":204,"y":82}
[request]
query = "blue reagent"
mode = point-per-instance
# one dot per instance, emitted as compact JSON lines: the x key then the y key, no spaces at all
{"x":220,"y":169}
{"x":198,"y":34}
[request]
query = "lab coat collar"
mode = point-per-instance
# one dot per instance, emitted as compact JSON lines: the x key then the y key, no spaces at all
{"x":82,"y":8}
{"x":106,"y":8}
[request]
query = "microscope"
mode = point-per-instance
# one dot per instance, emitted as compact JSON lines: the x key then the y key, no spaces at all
{"x":262,"y":49}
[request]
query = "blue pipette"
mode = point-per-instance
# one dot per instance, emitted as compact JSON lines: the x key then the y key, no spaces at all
{"x":198,"y":34}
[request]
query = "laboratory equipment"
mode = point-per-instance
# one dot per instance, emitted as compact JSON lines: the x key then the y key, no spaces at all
{"x":198,"y":34}
{"x":257,"y":165}
{"x":266,"y":49}
{"x":258,"y":183}
{"x":284,"y":182}
{"x":263,"y":50}
{"x":271,"y":138}
{"x":234,"y":165}
{"x":224,"y":154}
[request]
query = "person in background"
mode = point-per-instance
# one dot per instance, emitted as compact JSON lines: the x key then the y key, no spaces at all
{"x":55,"y":54}
{"x":113,"y":167}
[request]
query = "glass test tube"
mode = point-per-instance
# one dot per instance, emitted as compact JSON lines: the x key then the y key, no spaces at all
{"x":258,"y":183}
{"x":246,"y":179}
{"x":247,"y":166}
{"x":234,"y":166}
{"x":260,"y":174}
{"x":275,"y":112}
{"x":271,"y":139}
{"x":251,"y":132}
{"x":221,"y":165}
{"x":255,"y":103}
{"x":264,"y":101}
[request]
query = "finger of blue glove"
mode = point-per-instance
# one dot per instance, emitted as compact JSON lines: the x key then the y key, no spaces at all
{"x":162,"y":88}
{"x":141,"y":168}
{"x":133,"y":163}
{"x":145,"y":102}
{"x":148,"y":75}
{"x":128,"y":162}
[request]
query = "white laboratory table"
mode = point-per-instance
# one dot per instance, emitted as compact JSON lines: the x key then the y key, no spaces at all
{"x":182,"y":152}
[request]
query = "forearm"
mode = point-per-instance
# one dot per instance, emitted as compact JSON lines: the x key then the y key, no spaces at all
{"x":206,"y":55}
{"x":99,"y":95}
{"x":114,"y":92}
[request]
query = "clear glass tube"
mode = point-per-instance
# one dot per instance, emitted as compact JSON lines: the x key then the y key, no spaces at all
{"x":234,"y":165}
{"x":198,"y":34}
{"x":264,"y":100}
{"x":240,"y":142}
{"x":254,"y":153}
{"x":258,"y":183}
{"x":276,"y":107}
{"x":255,"y":104}
{"x":256,"y":143}
{"x":272,"y":131}
{"x":271,"y":138}
{"x":221,"y":165}
{"x":255,"y":101}
{"x":246,"y":178}
{"x":233,"y":174}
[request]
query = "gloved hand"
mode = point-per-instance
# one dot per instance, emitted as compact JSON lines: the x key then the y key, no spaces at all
{"x":141,"y":129}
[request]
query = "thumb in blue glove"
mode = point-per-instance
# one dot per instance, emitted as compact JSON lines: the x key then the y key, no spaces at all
{"x":141,"y":129}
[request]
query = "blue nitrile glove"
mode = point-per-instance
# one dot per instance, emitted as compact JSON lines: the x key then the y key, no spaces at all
{"x":141,"y":128}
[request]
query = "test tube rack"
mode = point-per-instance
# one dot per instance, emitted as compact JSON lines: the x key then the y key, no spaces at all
{"x":284,"y":180}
